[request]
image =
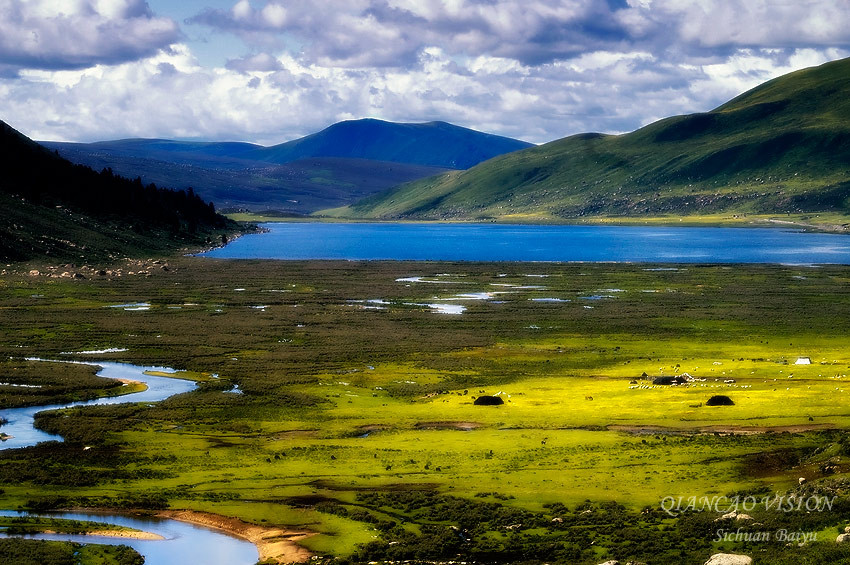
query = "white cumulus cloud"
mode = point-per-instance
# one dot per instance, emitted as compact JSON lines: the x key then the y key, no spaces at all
{"x":73,"y":34}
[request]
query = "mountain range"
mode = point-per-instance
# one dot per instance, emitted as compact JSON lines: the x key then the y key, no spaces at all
{"x":338,"y":165}
{"x":780,"y":148}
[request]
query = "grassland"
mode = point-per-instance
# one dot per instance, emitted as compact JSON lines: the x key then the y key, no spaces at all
{"x":39,"y":552}
{"x":356,"y":419}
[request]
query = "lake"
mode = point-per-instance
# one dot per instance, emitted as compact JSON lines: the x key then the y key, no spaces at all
{"x":504,"y":242}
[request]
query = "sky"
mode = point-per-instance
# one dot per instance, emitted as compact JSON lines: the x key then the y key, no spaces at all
{"x":267,"y":71}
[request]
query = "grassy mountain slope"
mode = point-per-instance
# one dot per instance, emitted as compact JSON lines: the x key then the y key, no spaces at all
{"x":435,"y":144}
{"x":334,"y":167}
{"x":55,"y":210}
{"x":781,"y":147}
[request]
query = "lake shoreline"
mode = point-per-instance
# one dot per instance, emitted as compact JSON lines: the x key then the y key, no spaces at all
{"x":770,"y":241}
{"x":840,"y":225}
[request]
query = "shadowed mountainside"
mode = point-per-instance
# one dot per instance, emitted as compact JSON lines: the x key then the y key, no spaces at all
{"x":54,"y":210}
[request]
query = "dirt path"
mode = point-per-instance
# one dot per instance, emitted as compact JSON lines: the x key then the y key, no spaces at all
{"x":831,"y":228}
{"x":272,"y":543}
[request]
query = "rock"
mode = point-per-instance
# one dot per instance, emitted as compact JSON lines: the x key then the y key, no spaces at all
{"x":843,"y":538}
{"x":34,"y":273}
{"x":729,"y":559}
{"x":801,"y":480}
{"x":847,"y":530}
{"x":612,"y":562}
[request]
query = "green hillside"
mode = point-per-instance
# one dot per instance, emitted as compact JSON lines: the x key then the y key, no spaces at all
{"x":51,"y":209}
{"x":783,"y":147}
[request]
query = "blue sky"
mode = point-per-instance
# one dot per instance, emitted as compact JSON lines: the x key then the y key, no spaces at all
{"x":268,"y":71}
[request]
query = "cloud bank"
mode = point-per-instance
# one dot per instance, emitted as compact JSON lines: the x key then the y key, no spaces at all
{"x":529,"y":69}
{"x":74,"y":34}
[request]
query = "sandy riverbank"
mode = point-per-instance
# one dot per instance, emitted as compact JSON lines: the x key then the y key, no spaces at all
{"x":272,"y":543}
{"x":125,"y":534}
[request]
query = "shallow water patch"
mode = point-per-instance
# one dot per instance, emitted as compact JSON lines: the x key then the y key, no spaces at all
{"x":132,"y":306}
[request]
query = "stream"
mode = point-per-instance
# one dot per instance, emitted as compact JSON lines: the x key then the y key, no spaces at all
{"x":183,"y":543}
{"x":20,"y":420}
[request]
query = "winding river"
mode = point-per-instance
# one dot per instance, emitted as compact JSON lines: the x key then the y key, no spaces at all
{"x":183,"y":543}
{"x":20,"y":420}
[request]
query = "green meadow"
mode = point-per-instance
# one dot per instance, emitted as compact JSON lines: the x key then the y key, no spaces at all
{"x":353,"y":414}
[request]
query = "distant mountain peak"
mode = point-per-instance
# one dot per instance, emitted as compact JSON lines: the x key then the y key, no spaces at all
{"x":434,"y":144}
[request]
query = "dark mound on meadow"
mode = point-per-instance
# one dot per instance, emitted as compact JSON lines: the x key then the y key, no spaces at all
{"x":488,"y":401}
{"x":720,"y":400}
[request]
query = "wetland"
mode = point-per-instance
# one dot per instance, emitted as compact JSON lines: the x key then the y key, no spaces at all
{"x":357,"y":435}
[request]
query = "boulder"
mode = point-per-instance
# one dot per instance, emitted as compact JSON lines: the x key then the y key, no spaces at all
{"x":843,"y":538}
{"x":729,"y":559}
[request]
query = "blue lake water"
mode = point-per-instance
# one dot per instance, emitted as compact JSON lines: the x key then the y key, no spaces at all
{"x":502,"y":242}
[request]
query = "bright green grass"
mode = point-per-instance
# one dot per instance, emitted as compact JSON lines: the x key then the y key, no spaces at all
{"x":340,"y":400}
